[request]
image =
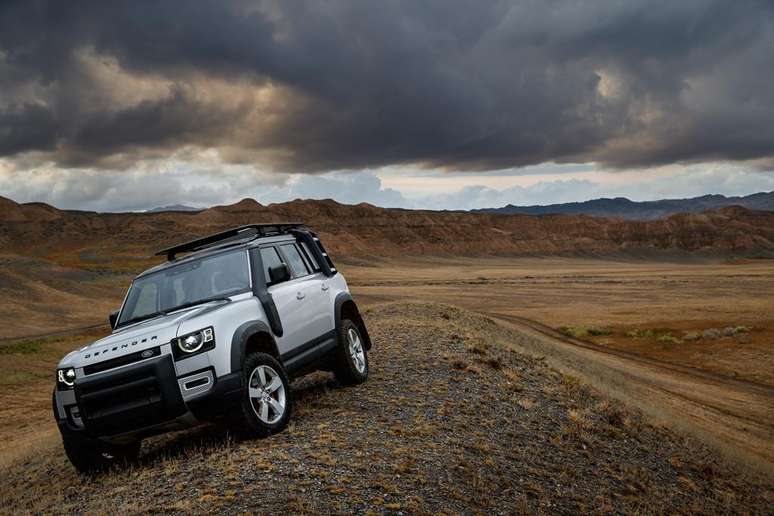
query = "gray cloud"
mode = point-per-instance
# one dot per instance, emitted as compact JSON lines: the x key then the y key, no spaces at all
{"x":309,"y":86}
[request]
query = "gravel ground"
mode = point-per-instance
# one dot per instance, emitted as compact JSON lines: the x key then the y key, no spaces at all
{"x":450,"y":421}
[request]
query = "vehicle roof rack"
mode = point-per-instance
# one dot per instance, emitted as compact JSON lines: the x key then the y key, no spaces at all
{"x":239,"y":234}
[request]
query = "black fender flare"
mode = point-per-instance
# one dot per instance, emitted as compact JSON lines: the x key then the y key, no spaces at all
{"x":242,"y":335}
{"x":344,"y":297}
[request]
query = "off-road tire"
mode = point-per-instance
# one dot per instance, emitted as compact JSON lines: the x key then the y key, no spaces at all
{"x":91,"y":456}
{"x":248,"y":423}
{"x":344,"y":366}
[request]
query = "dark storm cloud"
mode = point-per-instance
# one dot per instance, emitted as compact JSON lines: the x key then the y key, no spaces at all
{"x":316,"y":85}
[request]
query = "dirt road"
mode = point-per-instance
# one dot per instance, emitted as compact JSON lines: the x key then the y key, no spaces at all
{"x":735,"y":416}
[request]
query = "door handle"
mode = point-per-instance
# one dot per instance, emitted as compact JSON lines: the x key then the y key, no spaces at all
{"x":300,"y":295}
{"x":324,"y":286}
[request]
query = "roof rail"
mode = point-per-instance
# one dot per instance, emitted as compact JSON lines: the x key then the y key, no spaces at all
{"x":237,"y":234}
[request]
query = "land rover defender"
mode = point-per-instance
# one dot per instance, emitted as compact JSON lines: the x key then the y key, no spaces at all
{"x":215,"y":334}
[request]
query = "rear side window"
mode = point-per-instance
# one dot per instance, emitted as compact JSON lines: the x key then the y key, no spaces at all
{"x":295,"y":262}
{"x":270,"y":258}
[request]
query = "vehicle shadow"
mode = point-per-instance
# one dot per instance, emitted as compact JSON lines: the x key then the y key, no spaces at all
{"x":308,"y":392}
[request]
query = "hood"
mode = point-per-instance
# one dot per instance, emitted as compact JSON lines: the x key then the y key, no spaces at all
{"x":137,"y":337}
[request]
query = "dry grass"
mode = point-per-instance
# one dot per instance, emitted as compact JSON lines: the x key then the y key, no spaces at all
{"x":436,"y":429}
{"x":604,"y":296}
{"x":27,"y":377}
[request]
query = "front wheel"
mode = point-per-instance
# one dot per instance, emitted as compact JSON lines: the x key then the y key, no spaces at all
{"x":266,"y":402}
{"x":351,"y":359}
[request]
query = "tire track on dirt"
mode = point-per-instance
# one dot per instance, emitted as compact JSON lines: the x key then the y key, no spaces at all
{"x":736,"y":415}
{"x":703,"y":374}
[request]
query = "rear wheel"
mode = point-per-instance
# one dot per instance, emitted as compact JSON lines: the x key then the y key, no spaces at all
{"x":266,"y":402}
{"x":351,"y":359}
{"x":90,"y":455}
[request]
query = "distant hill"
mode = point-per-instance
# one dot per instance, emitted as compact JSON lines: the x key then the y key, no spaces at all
{"x":173,"y":207}
{"x":621,"y":207}
{"x":39,"y":230}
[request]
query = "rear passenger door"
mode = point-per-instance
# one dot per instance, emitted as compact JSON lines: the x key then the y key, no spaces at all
{"x":296,"y":299}
{"x":314,"y":289}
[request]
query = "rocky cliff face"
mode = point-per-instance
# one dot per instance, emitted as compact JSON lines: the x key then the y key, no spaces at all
{"x":365,"y":230}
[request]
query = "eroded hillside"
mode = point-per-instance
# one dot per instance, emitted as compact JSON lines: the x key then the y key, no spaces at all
{"x":365,"y":230}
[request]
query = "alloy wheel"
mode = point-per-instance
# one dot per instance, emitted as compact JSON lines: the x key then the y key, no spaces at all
{"x":356,"y":350}
{"x":267,"y":394}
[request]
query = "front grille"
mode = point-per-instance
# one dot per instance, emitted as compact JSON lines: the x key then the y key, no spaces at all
{"x":130,"y":398}
{"x":120,"y":361}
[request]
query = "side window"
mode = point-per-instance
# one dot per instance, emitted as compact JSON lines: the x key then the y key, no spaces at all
{"x":310,"y":257}
{"x":295,"y":262}
{"x":270,"y":258}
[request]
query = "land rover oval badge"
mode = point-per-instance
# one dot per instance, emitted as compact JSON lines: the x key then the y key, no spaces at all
{"x":147,"y":353}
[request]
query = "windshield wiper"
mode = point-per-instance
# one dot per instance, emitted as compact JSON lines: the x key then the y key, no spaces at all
{"x":194,"y":303}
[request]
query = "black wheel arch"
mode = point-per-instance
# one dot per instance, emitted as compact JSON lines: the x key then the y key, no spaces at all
{"x":256,"y":333}
{"x":346,"y":308}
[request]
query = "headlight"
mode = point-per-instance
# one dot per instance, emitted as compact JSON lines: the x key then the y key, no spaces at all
{"x":195,"y":342}
{"x":65,"y":378}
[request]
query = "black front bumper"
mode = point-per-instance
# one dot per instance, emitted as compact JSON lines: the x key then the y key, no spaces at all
{"x":142,"y":396}
{"x":130,"y":398}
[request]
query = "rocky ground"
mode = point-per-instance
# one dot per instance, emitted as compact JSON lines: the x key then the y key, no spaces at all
{"x":450,"y":421}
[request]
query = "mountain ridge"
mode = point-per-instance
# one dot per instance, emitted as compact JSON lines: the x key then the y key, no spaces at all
{"x":622,"y":207}
{"x":365,"y":230}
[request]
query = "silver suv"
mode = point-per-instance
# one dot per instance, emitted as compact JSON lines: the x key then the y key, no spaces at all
{"x":216,"y":334}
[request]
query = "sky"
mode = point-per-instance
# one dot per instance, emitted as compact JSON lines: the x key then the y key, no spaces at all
{"x":443,"y":104}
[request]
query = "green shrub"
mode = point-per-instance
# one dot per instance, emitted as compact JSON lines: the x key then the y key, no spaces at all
{"x":580,"y":332}
{"x":668,"y":338}
{"x":638,"y":333}
{"x":661,"y":335}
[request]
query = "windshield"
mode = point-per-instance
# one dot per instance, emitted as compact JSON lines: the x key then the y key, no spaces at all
{"x":190,"y":283}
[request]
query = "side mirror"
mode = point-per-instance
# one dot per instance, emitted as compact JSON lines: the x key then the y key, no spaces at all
{"x":113,"y":318}
{"x":279,"y":273}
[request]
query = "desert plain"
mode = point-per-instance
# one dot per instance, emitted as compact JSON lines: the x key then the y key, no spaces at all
{"x":666,"y":351}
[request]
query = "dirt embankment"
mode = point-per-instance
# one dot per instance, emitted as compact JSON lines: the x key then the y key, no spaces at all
{"x":451,"y":420}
